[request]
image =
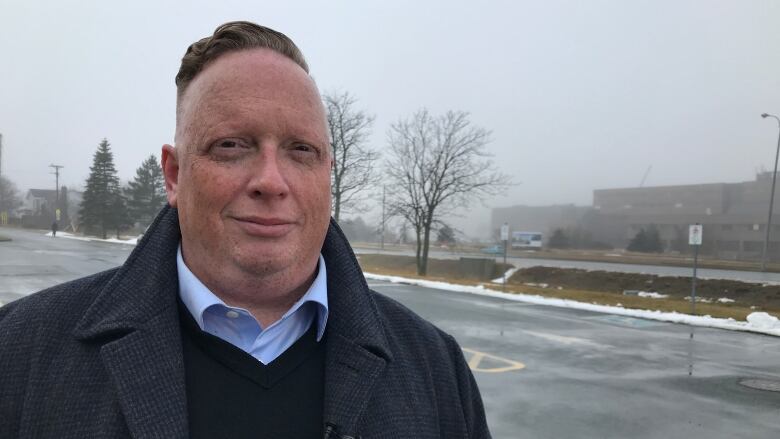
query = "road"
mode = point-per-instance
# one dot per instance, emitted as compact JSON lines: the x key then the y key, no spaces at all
{"x":589,"y":375}
{"x":544,"y":372}
{"x":32,"y":261}
{"x":704,"y":273}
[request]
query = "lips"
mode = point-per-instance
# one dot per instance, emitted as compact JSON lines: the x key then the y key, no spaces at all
{"x":264,"y":227}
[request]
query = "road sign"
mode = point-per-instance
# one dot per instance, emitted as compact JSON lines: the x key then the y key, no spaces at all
{"x":505,"y":232}
{"x":694,"y":234}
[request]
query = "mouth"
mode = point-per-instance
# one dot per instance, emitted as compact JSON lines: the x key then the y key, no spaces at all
{"x":264,"y":227}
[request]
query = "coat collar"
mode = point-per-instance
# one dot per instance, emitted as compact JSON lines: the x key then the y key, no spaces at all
{"x":136,"y":318}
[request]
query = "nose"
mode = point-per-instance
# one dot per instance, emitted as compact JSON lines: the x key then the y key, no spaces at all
{"x":268,"y":179}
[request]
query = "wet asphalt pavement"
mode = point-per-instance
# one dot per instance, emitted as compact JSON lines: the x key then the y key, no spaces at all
{"x":590,"y":375}
{"x":544,"y":372}
{"x":32,"y":261}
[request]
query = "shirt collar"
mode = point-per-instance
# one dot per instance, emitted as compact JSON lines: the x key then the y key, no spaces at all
{"x":197,"y":297}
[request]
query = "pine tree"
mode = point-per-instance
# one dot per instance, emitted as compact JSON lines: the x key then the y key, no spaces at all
{"x":146,"y":193}
{"x":646,"y":241}
{"x":446,"y":235}
{"x":119,"y":216}
{"x":103,"y":206}
{"x":559,"y":239}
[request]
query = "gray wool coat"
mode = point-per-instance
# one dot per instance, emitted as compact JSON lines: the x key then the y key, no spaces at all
{"x":101,"y":356}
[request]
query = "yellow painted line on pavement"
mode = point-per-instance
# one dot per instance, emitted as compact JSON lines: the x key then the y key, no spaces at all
{"x":477,"y":357}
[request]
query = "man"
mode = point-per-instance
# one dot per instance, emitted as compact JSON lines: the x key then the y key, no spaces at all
{"x":242,"y":312}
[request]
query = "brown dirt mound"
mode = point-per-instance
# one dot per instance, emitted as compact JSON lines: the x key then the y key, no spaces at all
{"x":742,"y":292}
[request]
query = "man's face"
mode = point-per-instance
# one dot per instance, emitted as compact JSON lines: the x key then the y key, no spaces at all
{"x":250,"y":174}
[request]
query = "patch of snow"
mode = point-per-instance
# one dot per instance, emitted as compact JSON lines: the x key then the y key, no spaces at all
{"x":725,"y":300}
{"x":613,"y":254}
{"x":763,"y":320}
{"x":132,"y":241}
{"x":531,"y":284}
{"x":670,"y":317}
{"x":652,"y":295}
{"x":507,"y":275}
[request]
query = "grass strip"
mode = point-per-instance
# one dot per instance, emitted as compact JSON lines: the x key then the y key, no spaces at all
{"x":669,"y":304}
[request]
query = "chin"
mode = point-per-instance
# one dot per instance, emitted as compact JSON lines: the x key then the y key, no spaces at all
{"x":265,"y":260}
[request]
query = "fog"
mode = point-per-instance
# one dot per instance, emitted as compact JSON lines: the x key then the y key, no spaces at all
{"x":578,"y":95}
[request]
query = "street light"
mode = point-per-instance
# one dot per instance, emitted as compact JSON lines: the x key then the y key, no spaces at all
{"x":772,"y":197}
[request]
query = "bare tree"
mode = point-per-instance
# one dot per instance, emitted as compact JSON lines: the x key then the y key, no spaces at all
{"x":9,"y":195}
{"x":353,"y":160}
{"x":438,"y":164}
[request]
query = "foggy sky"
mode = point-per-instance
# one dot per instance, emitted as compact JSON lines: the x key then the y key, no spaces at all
{"x":578,"y":95}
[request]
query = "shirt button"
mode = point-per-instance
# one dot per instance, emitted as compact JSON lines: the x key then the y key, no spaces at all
{"x":231,"y":314}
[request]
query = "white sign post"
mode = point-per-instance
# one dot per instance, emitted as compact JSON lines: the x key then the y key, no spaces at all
{"x":505,"y":238}
{"x":695,"y":239}
{"x":694,"y":234}
{"x":505,"y":232}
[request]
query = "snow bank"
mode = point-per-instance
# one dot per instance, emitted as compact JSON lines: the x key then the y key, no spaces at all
{"x":757,"y":322}
{"x":132,"y":241}
{"x":652,"y":295}
{"x":507,"y":275}
{"x":763,"y":320}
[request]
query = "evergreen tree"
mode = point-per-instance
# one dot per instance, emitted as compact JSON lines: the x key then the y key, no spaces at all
{"x":120,"y":218}
{"x":446,"y":235}
{"x":103,"y":206}
{"x":559,"y":239}
{"x":146,"y":193}
{"x":646,"y":241}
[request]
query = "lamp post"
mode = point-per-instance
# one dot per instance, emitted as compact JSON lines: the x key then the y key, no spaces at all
{"x":772,"y":196}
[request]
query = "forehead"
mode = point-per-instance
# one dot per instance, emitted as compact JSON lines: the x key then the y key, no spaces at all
{"x":248,"y":81}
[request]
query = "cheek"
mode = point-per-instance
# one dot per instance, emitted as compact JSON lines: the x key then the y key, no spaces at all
{"x":320,"y":189}
{"x":208,"y":188}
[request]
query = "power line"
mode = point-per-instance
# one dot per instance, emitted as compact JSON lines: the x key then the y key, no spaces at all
{"x":57,"y":182}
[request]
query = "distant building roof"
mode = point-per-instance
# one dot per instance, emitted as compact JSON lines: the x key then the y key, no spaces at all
{"x":42,"y":193}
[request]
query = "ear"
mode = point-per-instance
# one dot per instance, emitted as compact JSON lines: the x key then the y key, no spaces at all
{"x":170,"y":167}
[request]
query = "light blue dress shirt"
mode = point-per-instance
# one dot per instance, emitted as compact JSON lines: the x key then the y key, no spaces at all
{"x":239,"y":328}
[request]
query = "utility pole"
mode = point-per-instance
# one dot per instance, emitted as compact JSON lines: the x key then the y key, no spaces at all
{"x":57,"y":183}
{"x":1,"y":154}
{"x":771,"y":197}
{"x":383,"y":216}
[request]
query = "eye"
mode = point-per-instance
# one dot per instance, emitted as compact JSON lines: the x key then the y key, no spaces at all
{"x":304,"y":147}
{"x":229,"y":148}
{"x":227,"y":143}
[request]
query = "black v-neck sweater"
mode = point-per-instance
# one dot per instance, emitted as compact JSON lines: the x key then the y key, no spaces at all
{"x":230,"y":394}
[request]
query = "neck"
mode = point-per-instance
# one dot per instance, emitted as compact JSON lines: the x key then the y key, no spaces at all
{"x":267,"y":297}
{"x":267,"y":309}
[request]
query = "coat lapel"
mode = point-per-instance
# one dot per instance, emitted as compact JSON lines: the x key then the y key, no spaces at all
{"x":350,"y":373}
{"x":135,"y":319}
{"x":149,"y":380}
{"x":357,"y":350}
